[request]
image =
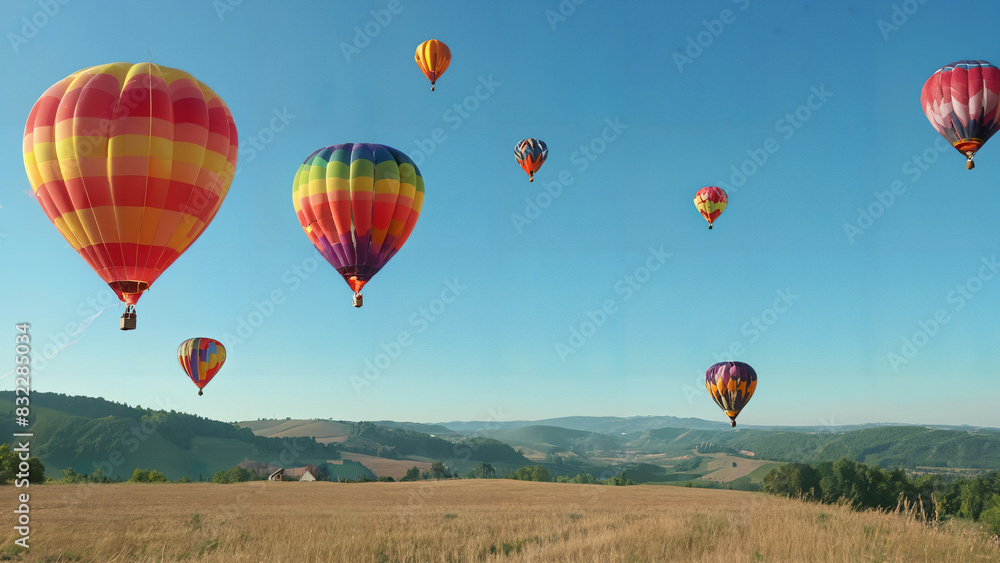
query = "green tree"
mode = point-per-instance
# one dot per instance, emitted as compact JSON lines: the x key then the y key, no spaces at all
{"x":532,"y":473}
{"x":617,"y":481}
{"x":235,"y":474}
{"x":794,"y":480}
{"x":483,"y":470}
{"x":147,"y":476}
{"x":71,"y":477}
{"x":36,"y":471}
{"x":439,"y":471}
{"x":323,"y":472}
{"x":8,"y":463}
{"x":991,"y":514}
{"x":412,"y":474}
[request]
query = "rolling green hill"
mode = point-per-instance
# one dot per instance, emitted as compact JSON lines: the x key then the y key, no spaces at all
{"x":89,"y":433}
{"x":86,"y":434}
{"x":552,"y":439}
{"x":888,"y":446}
{"x":325,"y":431}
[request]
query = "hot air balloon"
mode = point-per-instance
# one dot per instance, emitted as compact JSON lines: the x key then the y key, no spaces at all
{"x":433,"y":57}
{"x":358,"y":203}
{"x":131,"y":163}
{"x":711,"y":202}
{"x":960,"y":100}
{"x":201,"y":359}
{"x":731,"y":385}
{"x":531,"y":154}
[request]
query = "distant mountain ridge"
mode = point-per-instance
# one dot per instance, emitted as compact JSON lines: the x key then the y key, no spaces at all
{"x":625,"y":425}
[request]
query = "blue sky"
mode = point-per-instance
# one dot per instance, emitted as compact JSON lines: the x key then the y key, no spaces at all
{"x":855,"y":267}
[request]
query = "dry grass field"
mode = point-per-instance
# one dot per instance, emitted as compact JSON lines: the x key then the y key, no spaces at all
{"x":487,"y":520}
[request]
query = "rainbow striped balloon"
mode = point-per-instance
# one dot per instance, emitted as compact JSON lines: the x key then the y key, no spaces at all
{"x":130,"y":163}
{"x":358,"y":204}
{"x":201,"y":359}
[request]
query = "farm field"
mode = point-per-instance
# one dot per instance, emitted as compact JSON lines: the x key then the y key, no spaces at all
{"x":380,"y":466}
{"x":325,"y":431}
{"x":466,"y":520}
{"x":723,"y":468}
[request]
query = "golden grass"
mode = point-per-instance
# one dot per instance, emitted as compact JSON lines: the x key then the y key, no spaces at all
{"x":465,"y":520}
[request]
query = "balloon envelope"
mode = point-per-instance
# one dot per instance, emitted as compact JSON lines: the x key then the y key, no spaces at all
{"x":711,"y":202}
{"x":358,"y":204}
{"x":531,"y":154}
{"x":960,"y":100}
{"x":731,"y":385}
{"x":433,"y":58}
{"x":201,"y":359}
{"x":130,"y":163}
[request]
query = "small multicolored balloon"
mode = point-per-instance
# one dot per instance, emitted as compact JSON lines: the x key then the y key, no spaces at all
{"x":711,"y":202}
{"x":433,"y":58}
{"x":731,"y":385}
{"x":201,"y":359}
{"x":960,"y":100}
{"x":531,"y":154}
{"x":358,"y":204}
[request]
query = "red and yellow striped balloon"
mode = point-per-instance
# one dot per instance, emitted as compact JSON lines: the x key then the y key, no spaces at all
{"x":130,"y":163}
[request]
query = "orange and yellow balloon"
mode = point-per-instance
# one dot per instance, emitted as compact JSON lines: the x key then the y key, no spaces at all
{"x":433,"y":57}
{"x":130,"y":163}
{"x":201,"y":359}
{"x":711,"y":202}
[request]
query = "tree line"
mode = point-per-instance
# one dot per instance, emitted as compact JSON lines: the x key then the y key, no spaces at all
{"x":932,"y":497}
